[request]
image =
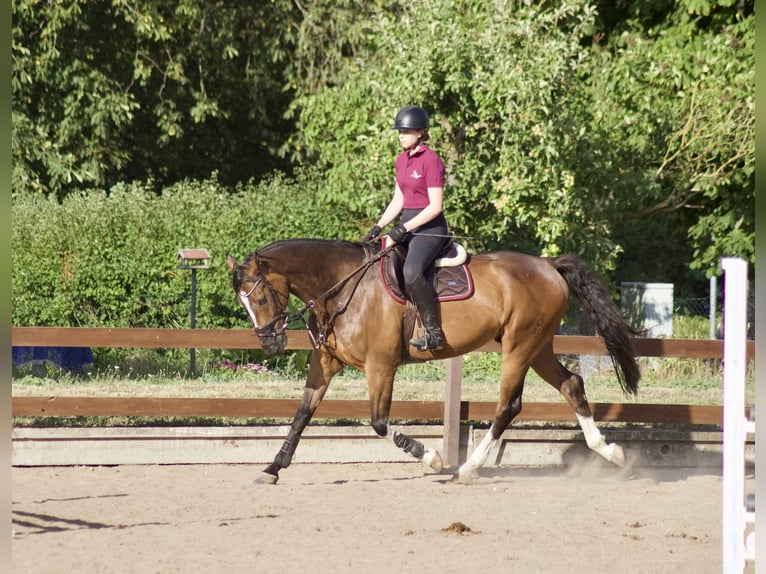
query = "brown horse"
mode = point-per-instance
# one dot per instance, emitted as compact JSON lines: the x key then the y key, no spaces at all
{"x":519,"y":301}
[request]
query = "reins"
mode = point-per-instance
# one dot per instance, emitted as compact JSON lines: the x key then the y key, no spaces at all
{"x":321,"y":337}
{"x":290,"y":318}
{"x":366,"y":265}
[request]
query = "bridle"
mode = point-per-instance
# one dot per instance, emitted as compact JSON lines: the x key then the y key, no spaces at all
{"x":283,"y":319}
{"x":268,"y":330}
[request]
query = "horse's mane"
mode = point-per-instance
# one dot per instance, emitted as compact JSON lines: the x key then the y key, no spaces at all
{"x":306,"y":242}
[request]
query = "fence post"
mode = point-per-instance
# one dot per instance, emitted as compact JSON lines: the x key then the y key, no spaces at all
{"x":713,"y":300}
{"x":451,"y":440}
{"x":193,"y":259}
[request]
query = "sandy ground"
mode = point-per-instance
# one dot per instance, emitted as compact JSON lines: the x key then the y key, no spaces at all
{"x":361,"y":518}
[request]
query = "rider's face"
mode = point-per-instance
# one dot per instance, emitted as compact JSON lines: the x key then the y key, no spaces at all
{"x":408,"y":138}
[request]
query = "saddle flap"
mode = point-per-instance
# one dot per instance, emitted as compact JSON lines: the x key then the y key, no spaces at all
{"x":451,"y":283}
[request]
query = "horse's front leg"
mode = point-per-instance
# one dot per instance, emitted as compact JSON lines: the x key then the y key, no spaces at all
{"x":380,"y":387}
{"x":321,"y":369}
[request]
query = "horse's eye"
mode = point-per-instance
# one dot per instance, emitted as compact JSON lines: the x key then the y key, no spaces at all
{"x":261,"y":301}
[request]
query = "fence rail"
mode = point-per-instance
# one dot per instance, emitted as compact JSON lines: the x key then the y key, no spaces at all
{"x":351,"y":409}
{"x":299,"y":340}
{"x":451,"y":411}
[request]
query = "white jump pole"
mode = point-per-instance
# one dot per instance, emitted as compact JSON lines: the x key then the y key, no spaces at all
{"x":734,"y":360}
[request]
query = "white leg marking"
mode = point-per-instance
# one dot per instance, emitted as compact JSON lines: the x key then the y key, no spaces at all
{"x":468,"y":472}
{"x":611,"y":452}
{"x":390,"y":434}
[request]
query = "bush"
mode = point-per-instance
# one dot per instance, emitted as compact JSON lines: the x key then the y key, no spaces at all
{"x":108,"y":259}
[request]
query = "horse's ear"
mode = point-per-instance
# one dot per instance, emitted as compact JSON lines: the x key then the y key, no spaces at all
{"x":231,"y":263}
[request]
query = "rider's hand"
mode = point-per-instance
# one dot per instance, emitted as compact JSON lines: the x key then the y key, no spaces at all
{"x":372,"y":234}
{"x":398,"y":233}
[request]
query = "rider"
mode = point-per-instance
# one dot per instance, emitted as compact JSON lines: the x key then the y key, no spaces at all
{"x":418,"y":196}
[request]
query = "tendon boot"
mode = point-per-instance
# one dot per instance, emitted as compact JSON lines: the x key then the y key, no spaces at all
{"x":423,"y":298}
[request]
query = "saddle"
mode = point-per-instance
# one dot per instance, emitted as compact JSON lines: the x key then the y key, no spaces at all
{"x":450,"y":275}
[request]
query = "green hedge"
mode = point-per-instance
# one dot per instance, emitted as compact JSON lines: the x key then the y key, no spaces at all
{"x":108,"y":259}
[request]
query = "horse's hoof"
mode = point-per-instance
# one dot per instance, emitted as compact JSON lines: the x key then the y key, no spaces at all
{"x":616,"y":455}
{"x":465,"y":477}
{"x":433,"y":459}
{"x":266,"y":478}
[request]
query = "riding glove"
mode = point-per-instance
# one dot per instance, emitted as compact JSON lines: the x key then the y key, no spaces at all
{"x":372,"y":234}
{"x":398,"y":233}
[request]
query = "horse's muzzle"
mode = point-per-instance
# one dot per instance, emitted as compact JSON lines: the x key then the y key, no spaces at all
{"x":273,"y":343}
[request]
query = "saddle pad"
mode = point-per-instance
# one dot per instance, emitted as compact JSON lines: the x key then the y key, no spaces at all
{"x":449,"y":283}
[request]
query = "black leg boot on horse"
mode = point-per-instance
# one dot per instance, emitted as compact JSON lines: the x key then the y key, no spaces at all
{"x":423,"y":298}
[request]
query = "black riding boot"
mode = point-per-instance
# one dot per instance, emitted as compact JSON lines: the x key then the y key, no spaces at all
{"x":423,"y":298}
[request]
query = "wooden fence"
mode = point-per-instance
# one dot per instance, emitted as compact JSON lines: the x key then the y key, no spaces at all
{"x":451,"y":411}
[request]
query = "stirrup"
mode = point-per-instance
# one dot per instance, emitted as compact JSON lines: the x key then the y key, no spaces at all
{"x":429,"y":341}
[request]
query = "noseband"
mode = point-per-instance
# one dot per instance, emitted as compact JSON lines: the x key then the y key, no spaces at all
{"x":268,"y":330}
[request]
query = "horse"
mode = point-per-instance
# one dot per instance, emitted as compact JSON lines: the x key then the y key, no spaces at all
{"x":519,"y":301}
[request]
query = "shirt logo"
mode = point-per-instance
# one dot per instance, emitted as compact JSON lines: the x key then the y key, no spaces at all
{"x":415,"y":174}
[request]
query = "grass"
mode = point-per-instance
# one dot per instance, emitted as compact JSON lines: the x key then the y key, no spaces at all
{"x":664,"y":381}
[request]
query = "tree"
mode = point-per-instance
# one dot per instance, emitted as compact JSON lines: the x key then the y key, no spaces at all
{"x":565,"y":126}
{"x":679,"y":91}
{"x":104,"y":92}
{"x":501,"y":83}
{"x":561,"y":130}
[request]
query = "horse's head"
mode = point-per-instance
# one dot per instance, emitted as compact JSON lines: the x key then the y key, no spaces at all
{"x":264,"y":295}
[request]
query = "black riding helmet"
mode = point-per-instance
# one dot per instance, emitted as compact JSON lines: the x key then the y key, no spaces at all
{"x":412,"y":118}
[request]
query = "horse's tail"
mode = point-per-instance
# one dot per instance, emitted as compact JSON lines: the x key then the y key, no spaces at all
{"x":605,"y":316}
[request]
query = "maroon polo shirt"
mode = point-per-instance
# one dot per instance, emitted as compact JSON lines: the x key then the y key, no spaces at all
{"x":416,"y":173}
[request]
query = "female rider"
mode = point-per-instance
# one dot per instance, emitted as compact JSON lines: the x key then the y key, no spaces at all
{"x":418,"y":196}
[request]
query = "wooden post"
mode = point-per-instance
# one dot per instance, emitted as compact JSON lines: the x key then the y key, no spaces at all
{"x":451,"y":445}
{"x":196,"y":258}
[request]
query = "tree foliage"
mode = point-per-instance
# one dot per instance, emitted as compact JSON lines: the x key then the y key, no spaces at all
{"x":561,"y":129}
{"x":122,"y":90}
{"x":681,"y":96}
{"x":103,"y":259}
{"x":615,"y":130}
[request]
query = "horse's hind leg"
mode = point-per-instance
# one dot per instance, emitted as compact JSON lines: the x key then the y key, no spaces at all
{"x":508,"y":406}
{"x":572,"y":387}
{"x":321,"y":369}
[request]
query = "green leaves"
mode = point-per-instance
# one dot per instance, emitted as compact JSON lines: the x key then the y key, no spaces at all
{"x":553,"y":137}
{"x":121,"y":90}
{"x":500,"y":84}
{"x":109,"y":259}
{"x":565,"y":126}
{"x":689,"y":143}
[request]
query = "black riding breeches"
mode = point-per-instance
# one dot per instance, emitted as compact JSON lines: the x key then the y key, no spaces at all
{"x":425,"y":243}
